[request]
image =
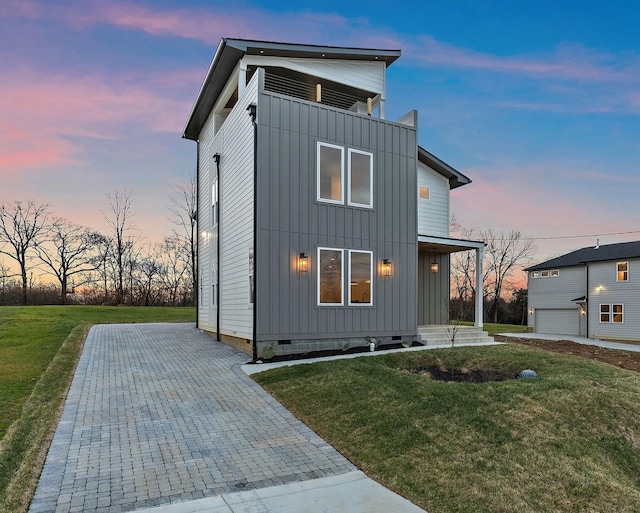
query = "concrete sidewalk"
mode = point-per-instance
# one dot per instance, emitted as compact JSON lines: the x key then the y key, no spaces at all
{"x":622,"y":346}
{"x":160,"y":417}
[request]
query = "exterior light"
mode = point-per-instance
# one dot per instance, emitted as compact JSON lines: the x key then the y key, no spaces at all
{"x":386,"y":267}
{"x":530,"y":311}
{"x":435,"y":267}
{"x":303,"y":263}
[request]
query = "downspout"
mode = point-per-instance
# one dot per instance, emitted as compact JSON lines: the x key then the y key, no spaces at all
{"x":586,"y":300}
{"x":196,"y":294}
{"x":216,"y":158}
{"x":253,"y":111}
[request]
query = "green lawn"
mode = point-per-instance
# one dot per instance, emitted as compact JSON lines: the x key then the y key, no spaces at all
{"x":568,"y":441}
{"x":39,"y":348}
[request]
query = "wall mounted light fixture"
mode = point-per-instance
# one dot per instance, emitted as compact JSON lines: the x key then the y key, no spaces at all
{"x":303,"y":263}
{"x":386,"y":267}
{"x":435,"y":267}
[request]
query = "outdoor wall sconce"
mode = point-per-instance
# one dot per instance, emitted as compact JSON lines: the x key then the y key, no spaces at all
{"x":386,"y":267}
{"x":435,"y":267}
{"x":303,"y":263}
{"x":530,"y":311}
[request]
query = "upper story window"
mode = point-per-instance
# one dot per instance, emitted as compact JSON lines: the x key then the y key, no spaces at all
{"x":331,"y":176}
{"x":423,"y":192}
{"x":622,"y":271}
{"x":555,"y":273}
{"x":330,"y":173}
{"x":360,"y":178}
{"x":535,"y":274}
{"x":544,"y":274}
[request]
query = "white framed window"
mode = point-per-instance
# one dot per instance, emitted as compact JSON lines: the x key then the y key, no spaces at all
{"x":360,"y":278}
{"x":622,"y":269}
{"x":330,"y":277}
{"x":617,"y":312}
{"x":252,"y":277}
{"x":535,"y":274}
{"x":214,"y":283}
{"x":544,"y":274}
{"x":555,"y":273}
{"x":360,"y":172}
{"x":423,"y":192}
{"x":214,"y":202}
{"x":612,"y":313}
{"x":330,"y":175}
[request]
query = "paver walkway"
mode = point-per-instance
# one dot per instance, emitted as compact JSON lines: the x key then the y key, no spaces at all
{"x":162,"y":413}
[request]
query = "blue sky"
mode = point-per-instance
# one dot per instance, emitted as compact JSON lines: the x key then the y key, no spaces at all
{"x":537,"y":102}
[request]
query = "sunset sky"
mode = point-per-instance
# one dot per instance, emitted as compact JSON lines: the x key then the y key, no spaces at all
{"x":537,"y":102}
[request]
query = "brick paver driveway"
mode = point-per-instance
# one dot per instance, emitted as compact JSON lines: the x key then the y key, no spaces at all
{"x":161,"y":413}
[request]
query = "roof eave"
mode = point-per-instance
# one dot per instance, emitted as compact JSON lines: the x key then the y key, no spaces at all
{"x":455,"y":177}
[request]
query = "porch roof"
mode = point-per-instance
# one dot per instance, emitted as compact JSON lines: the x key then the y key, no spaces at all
{"x":446,"y":245}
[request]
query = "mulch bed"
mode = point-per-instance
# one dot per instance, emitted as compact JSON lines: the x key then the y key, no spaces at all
{"x":624,"y":359}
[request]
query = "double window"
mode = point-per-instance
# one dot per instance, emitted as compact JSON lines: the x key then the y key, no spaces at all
{"x":622,"y":269}
{"x":331,"y":176}
{"x":331,"y":277}
{"x":612,"y":313}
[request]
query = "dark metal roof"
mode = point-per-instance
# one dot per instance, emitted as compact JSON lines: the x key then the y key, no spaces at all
{"x":620,"y":251}
{"x":455,"y":177}
{"x":230,"y":51}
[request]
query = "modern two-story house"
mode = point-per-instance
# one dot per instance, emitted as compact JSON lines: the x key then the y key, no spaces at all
{"x":320,"y":222}
{"x":591,"y":292}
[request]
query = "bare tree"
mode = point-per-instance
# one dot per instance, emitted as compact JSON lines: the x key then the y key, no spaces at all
{"x":183,"y":208}
{"x":69,"y":253}
{"x":172,"y":252}
{"x":118,"y":219}
{"x":504,"y":252}
{"x":21,"y":229}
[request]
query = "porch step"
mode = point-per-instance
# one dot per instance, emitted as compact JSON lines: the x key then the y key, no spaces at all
{"x":441,"y":335}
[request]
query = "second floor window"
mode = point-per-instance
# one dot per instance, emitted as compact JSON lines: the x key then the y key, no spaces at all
{"x":623,"y":271}
{"x":214,"y":203}
{"x":331,"y":179}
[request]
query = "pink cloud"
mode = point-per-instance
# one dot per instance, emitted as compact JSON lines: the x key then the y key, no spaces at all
{"x":568,"y":62}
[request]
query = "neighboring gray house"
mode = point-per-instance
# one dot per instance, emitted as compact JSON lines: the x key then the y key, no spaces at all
{"x":592,"y":292}
{"x":319,"y":221}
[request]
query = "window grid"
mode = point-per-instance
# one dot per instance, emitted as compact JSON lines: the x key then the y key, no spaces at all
{"x":622,"y":269}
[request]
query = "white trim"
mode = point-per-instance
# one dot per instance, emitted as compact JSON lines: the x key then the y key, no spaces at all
{"x":370,"y":253}
{"x":350,"y":151}
{"x":618,"y":271}
{"x":610,"y":313}
{"x":319,"y":260}
{"x":318,"y":197}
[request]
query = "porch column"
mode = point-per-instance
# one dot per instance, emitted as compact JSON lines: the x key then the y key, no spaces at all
{"x":479,"y":291}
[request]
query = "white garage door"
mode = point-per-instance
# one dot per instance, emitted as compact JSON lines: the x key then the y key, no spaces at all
{"x":558,"y":322}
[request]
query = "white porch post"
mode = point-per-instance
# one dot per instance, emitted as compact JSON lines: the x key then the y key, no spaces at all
{"x":479,"y":291}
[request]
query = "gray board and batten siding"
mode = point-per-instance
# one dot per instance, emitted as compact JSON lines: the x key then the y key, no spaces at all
{"x":290,"y":220}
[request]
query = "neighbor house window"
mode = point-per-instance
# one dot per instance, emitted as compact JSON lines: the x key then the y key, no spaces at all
{"x":214,"y":283}
{"x":360,"y":277}
{"x":423,"y":192}
{"x":214,"y":202}
{"x":618,"y":313}
{"x":535,"y":274}
{"x":330,"y":173}
{"x":544,"y":274}
{"x":360,"y":178}
{"x":612,"y":313}
{"x":623,"y":271}
{"x":555,"y":273}
{"x":330,"y":280}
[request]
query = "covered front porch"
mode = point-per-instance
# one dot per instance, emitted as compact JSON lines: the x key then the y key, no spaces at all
{"x":434,"y":279}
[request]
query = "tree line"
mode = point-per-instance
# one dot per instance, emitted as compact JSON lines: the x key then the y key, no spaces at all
{"x":505,"y":253}
{"x":45,"y":259}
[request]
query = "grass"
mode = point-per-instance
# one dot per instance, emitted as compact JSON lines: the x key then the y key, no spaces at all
{"x":39,"y":349}
{"x":495,"y":329}
{"x":566,"y":442}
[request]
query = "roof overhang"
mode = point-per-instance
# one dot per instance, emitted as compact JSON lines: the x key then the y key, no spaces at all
{"x":230,"y":51}
{"x":445,"y":245}
{"x":455,"y":177}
